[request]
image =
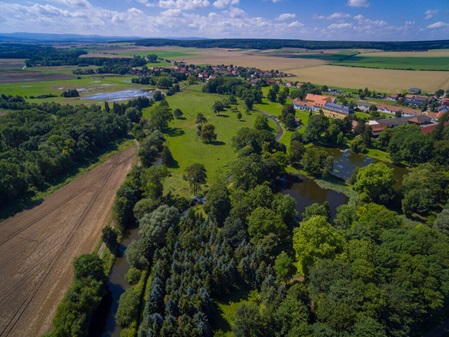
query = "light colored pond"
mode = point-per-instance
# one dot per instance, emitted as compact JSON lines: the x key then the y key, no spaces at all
{"x":117,"y":96}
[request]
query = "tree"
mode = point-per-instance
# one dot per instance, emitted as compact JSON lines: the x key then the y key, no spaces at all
{"x":218,"y":204}
{"x":261,"y":122}
{"x":287,"y":110}
{"x":441,"y":223}
{"x":248,"y":322}
{"x":88,"y":266}
{"x":128,"y":307}
{"x":160,"y":116}
{"x":296,"y":152}
{"x":317,"y":162}
{"x":317,"y":209}
{"x":196,"y":176}
{"x":167,"y":157}
{"x":424,"y":189}
{"x":191,"y":80}
{"x":178,"y":113}
{"x":207,"y":134}
{"x":271,"y":95}
{"x":249,"y":103}
{"x":200,"y":118}
{"x":239,"y":115}
{"x":316,"y":127}
{"x":375,"y":182}
{"x":410,"y":145}
{"x":218,"y":106}
{"x":283,"y":266}
{"x":264,"y":221}
{"x":152,"y":58}
{"x":109,"y":237}
{"x":315,"y":239}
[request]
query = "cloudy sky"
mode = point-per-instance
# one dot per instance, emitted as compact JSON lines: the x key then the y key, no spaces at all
{"x":293,"y":19}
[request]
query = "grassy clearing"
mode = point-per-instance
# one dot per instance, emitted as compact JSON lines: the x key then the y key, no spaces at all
{"x":224,"y":320}
{"x":186,"y":146}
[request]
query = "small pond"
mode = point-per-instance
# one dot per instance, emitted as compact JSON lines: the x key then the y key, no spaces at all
{"x":306,"y":192}
{"x":346,"y":161}
{"x":117,"y":96}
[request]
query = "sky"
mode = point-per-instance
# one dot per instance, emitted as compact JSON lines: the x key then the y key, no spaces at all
{"x":367,"y":20}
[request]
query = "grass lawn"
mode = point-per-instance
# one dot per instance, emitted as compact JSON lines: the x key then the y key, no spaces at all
{"x":186,"y":146}
{"x":225,"y":309}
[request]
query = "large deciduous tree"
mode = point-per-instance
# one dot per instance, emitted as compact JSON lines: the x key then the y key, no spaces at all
{"x":196,"y":175}
{"x":315,"y":239}
{"x":375,"y":182}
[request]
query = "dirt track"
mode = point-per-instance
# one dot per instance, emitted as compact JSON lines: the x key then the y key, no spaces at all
{"x":37,"y":246}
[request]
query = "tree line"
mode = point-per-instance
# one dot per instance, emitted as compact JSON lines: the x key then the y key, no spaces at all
{"x":288,"y":43}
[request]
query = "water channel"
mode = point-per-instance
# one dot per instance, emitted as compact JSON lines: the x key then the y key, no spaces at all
{"x":105,"y":324}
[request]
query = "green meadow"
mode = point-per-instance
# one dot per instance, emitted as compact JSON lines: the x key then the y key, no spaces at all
{"x":164,"y":54}
{"x":186,"y":146}
{"x":403,"y":63}
{"x":87,"y":85}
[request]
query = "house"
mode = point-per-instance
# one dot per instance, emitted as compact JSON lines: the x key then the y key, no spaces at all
{"x":319,"y":100}
{"x":445,"y":101}
{"x":414,"y":91}
{"x":304,"y":105}
{"x":363,"y":107}
{"x":334,"y":110}
{"x":394,"y":109}
{"x":393,"y":98}
{"x":429,"y":129}
{"x":381,"y":124}
{"x":417,"y":100}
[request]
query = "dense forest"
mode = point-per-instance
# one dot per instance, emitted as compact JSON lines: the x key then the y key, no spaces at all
{"x":39,"y":143}
{"x":284,"y":43}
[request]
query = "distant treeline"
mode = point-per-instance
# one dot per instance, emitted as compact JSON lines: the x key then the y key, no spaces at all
{"x":277,"y":43}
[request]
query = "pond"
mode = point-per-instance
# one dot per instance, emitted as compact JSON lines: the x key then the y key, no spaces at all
{"x":307,"y":192}
{"x":346,"y":161}
{"x":104,"y":324}
{"x":117,"y":96}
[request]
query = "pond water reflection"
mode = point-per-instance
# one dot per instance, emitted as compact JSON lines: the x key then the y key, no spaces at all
{"x":117,"y":96}
{"x":307,"y":192}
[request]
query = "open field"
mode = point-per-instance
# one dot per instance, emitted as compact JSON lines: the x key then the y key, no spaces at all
{"x":405,"y":63}
{"x":383,"y":80}
{"x":86,"y":85}
{"x":186,"y":146}
{"x":38,"y":245}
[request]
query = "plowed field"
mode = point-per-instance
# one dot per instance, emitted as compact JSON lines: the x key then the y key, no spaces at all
{"x":37,"y":246}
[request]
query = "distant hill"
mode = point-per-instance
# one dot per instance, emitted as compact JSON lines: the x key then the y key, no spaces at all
{"x":278,"y":43}
{"x":61,"y":38}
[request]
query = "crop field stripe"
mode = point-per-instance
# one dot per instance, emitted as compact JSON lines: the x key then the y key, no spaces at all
{"x":15,"y":319}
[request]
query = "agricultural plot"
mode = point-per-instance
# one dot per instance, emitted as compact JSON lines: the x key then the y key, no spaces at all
{"x":403,"y":63}
{"x":37,"y":245}
{"x":382,"y":80}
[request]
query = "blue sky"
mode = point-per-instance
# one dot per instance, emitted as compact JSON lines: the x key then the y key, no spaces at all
{"x":373,"y":20}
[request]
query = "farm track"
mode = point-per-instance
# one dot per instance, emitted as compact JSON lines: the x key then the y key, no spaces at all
{"x":36,"y":255}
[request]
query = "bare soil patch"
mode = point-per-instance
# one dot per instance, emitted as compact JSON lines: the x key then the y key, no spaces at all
{"x":37,"y":246}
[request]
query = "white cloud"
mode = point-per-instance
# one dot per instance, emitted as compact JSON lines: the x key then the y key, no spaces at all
{"x":438,"y":24}
{"x":358,"y":3}
{"x":184,"y":4}
{"x":286,"y":16}
{"x":333,"y":16}
{"x":430,"y":13}
{"x":337,"y":26}
{"x":225,"y":3}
